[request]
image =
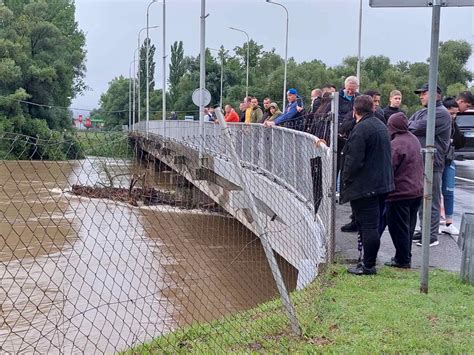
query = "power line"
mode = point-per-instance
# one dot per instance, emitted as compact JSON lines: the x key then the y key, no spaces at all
{"x":54,"y":106}
{"x":81,"y":109}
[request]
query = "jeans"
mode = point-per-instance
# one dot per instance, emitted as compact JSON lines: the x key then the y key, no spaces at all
{"x":367,"y":212}
{"x":401,"y":221}
{"x":447,"y":187}
{"x":435,"y":206}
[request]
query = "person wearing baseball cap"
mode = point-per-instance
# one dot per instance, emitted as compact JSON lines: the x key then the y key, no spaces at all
{"x":291,"y":113}
{"x":425,"y":88}
{"x":417,"y":125}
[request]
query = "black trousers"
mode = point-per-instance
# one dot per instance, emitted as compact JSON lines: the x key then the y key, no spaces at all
{"x":367,"y":212}
{"x":401,"y":220}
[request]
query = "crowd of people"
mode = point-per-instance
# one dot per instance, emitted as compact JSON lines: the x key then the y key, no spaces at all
{"x":380,"y":161}
{"x":382,"y":169}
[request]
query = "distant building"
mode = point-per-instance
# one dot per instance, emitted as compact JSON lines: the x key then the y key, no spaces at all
{"x":87,"y":123}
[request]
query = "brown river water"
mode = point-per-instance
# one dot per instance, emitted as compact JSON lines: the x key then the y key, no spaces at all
{"x":98,"y":276}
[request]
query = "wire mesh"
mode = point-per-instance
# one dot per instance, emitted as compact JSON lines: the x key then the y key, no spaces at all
{"x":110,"y":240}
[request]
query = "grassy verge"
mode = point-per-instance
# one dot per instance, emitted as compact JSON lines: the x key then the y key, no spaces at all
{"x":345,"y":314}
{"x":105,"y":144}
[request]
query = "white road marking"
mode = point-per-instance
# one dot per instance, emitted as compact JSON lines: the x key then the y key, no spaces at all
{"x":464,"y":179}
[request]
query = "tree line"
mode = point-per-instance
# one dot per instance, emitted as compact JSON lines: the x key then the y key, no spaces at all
{"x":42,"y":67}
{"x":266,"y":78}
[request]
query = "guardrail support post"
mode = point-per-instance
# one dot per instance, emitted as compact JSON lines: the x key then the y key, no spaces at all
{"x":285,"y":297}
{"x":466,"y":244}
{"x":334,"y":128}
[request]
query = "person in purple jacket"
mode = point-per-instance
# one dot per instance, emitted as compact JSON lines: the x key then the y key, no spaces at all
{"x":402,"y":204}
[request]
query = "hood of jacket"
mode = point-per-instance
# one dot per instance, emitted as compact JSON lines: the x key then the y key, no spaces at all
{"x":397,"y":124}
{"x":275,"y":106}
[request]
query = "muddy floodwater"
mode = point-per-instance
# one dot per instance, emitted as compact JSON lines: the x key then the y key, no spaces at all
{"x":95,"y":275}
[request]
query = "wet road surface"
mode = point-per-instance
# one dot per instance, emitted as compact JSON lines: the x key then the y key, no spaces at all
{"x":446,"y":255}
{"x":464,"y":193}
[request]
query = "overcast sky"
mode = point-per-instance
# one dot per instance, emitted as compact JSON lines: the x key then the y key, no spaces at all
{"x":319,"y":29}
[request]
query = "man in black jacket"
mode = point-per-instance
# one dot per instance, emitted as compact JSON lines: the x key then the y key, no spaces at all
{"x":395,"y":101}
{"x":376,"y":96}
{"x":316,"y":95}
{"x":266,"y":108}
{"x":367,"y":178}
{"x":465,"y":100}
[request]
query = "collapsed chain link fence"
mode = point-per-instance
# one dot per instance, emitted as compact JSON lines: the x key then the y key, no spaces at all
{"x":132,"y":238}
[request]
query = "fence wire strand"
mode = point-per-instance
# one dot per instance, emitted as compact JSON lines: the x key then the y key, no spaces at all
{"x":110,"y":240}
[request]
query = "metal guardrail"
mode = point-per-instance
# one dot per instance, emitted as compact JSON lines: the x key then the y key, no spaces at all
{"x":276,"y":152}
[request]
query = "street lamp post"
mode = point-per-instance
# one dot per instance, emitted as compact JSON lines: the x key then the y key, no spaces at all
{"x":286,"y":47}
{"x":138,"y":76}
{"x":148,"y":67}
{"x":148,"y":64}
{"x":163,"y":92}
{"x":222,"y":74}
{"x":131,"y":93}
{"x":136,"y":92}
{"x":248,"y":56}
{"x":360,"y":43}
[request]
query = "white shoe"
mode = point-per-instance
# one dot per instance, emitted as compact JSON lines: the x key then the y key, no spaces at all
{"x":451,"y":230}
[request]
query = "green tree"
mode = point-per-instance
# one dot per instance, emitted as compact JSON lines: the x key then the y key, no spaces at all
{"x":114,"y":103}
{"x":255,"y":54}
{"x":267,"y":70}
{"x":454,"y":89}
{"x":151,"y":68}
{"x":42,"y":54}
{"x":177,"y":69}
{"x":374,"y":67}
{"x":453,"y":58}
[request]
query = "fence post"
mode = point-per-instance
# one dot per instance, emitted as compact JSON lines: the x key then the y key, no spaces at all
{"x":244,"y":183}
{"x":333,"y":193}
{"x":466,"y":244}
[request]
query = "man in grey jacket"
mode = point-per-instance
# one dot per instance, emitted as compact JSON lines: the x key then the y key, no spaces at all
{"x":417,"y":125}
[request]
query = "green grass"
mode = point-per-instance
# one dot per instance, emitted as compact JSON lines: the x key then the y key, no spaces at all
{"x":345,"y":314}
{"x":105,"y":144}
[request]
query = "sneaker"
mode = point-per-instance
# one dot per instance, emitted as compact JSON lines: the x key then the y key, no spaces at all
{"x":350,"y":227}
{"x":416,"y":237}
{"x":433,"y":242}
{"x":451,"y":229}
{"x":394,"y":263}
{"x":360,"y":269}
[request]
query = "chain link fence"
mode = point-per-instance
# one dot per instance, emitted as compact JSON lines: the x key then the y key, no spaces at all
{"x":110,"y":240}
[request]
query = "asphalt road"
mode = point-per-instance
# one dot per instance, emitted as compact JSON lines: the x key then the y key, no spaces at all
{"x":464,"y":193}
{"x":445,"y":256}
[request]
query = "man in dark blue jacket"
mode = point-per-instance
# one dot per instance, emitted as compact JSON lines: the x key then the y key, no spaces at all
{"x":367,"y":178}
{"x":291,"y":114}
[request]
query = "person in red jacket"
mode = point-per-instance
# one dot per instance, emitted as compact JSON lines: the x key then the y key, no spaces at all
{"x":230,"y":114}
